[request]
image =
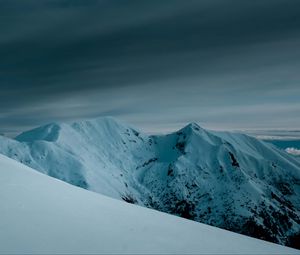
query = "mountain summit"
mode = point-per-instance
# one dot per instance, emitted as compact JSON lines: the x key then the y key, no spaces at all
{"x":228,"y":180}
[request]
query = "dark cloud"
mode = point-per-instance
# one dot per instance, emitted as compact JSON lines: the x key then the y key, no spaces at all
{"x":60,"y":52}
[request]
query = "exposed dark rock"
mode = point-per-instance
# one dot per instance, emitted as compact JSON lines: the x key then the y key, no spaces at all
{"x":136,"y":133}
{"x":147,"y":162}
{"x":284,"y":188}
{"x":294,"y":241}
{"x":129,"y":199}
{"x":252,"y":228}
{"x":233,"y":160}
{"x":185,"y":209}
{"x":221,"y":169}
{"x":180,"y":146}
{"x":170,"y":171}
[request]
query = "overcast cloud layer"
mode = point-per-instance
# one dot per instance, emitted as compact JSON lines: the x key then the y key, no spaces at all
{"x":155,"y":64}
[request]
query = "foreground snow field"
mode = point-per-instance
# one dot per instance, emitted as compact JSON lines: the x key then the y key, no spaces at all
{"x":40,"y":214}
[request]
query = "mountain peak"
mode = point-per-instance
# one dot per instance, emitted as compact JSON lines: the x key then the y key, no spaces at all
{"x":100,"y":123}
{"x":52,"y":131}
{"x":49,"y":132}
{"x":192,"y":127}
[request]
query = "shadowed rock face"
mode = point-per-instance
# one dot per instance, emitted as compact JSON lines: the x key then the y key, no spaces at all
{"x":227,"y":180}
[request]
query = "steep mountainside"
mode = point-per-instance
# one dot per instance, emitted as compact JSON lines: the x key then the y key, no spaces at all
{"x":42,"y":215}
{"x":227,"y":180}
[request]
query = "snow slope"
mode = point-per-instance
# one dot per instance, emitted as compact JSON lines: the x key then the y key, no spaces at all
{"x":39,"y":214}
{"x":228,"y":180}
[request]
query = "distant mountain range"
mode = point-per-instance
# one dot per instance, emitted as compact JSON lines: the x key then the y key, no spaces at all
{"x":288,"y":140}
{"x":228,"y":180}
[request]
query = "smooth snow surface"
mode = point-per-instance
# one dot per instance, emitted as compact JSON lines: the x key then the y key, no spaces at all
{"x":39,"y":214}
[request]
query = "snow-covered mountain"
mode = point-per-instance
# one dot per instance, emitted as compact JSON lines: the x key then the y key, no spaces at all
{"x":228,"y":180}
{"x":42,"y":215}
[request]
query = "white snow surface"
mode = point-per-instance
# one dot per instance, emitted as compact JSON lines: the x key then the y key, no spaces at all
{"x":227,"y":180}
{"x":43,"y":215}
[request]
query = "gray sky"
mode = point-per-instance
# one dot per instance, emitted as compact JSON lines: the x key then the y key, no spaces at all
{"x":156,"y":64}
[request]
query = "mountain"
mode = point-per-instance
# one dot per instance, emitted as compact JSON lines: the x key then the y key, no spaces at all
{"x":228,"y":180}
{"x":42,"y":215}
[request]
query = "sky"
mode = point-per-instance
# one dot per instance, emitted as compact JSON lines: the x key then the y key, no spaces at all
{"x":154,"y":64}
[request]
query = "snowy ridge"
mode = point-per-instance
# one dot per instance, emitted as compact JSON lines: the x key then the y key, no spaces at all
{"x":228,"y":180}
{"x":42,"y":215}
